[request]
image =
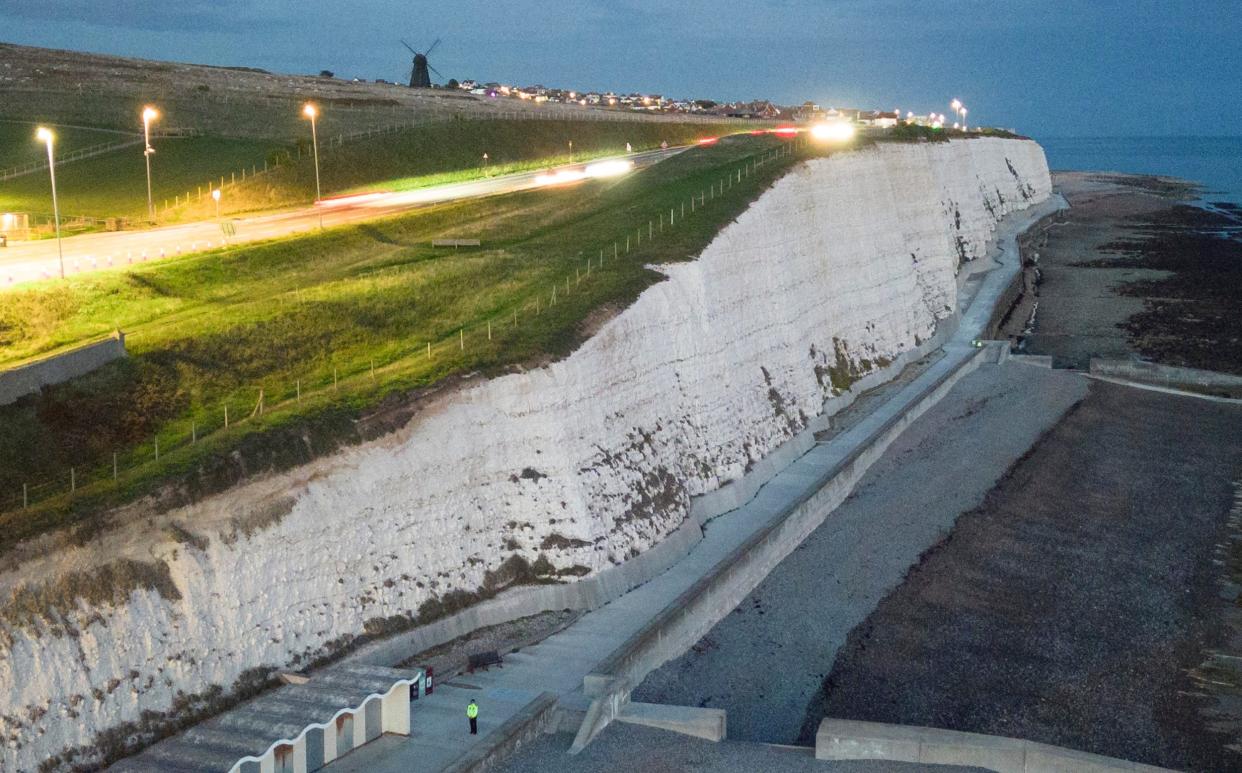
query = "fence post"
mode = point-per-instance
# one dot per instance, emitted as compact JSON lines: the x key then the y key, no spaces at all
{"x":114,"y":469}
{"x":226,"y":415}
{"x":298,"y":386}
{"x":73,"y":480}
{"x":489,"y":330}
{"x":334,"y":379}
{"x":429,"y":350}
{"x":372,"y":370}
{"x":193,"y":433}
{"x":25,"y":497}
{"x":157,"y":448}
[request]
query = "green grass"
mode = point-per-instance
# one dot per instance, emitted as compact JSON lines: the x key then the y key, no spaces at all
{"x":19,"y":147}
{"x":319,"y":312}
{"x":115,"y":184}
{"x":433,"y":154}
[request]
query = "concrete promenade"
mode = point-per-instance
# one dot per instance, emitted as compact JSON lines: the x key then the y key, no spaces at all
{"x":559,"y":663}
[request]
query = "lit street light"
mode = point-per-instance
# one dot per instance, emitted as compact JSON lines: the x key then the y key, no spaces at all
{"x":45,"y":135}
{"x":571,"y":151}
{"x":485,"y":165}
{"x":959,"y":110}
{"x":149,"y":114}
{"x":215,"y":194}
{"x":311,"y":112}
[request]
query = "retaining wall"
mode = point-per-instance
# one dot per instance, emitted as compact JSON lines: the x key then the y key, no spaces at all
{"x":59,"y":368}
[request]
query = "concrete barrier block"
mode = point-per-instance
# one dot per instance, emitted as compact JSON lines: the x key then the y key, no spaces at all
{"x":1041,"y":758}
{"x":1034,"y":360}
{"x":1003,"y":755}
{"x":709,"y":724}
{"x":839,"y":739}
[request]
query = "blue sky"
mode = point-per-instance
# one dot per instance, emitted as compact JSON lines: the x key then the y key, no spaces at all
{"x":1046,"y":67}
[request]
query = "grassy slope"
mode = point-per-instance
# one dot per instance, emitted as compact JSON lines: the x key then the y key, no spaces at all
{"x":115,"y":184}
{"x":18,"y":145}
{"x":443,"y":152}
{"x":212,"y":330}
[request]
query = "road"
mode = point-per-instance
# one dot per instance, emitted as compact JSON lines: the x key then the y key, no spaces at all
{"x":31,"y":261}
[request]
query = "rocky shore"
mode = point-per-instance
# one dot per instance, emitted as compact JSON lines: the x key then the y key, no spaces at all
{"x":1138,"y":267}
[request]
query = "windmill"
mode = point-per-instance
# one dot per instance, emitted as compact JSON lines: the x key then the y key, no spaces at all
{"x":420,"y":78}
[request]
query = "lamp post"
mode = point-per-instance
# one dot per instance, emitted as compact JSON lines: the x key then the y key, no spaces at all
{"x":149,"y":114}
{"x":485,"y":165}
{"x":312,"y":112}
{"x":45,"y":135}
{"x":963,"y":119}
{"x":571,"y":151}
{"x":215,"y":194}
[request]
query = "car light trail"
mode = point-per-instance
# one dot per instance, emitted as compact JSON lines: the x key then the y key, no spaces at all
{"x":611,"y":168}
{"x":832,"y":132}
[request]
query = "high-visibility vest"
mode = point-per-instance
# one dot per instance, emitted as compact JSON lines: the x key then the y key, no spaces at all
{"x":472,"y":710}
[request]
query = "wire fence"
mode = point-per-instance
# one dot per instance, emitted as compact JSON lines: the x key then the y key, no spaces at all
{"x":324,"y":386}
{"x":91,"y":151}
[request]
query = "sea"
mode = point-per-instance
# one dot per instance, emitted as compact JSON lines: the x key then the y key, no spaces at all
{"x":1213,"y":162}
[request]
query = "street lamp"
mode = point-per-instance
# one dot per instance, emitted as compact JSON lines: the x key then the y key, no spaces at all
{"x":149,"y":114}
{"x":45,"y":135}
{"x":571,"y":151}
{"x":215,"y":194}
{"x":963,"y":119}
{"x":311,"y":112}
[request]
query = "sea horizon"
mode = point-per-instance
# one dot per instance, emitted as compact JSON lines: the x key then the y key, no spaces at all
{"x":1211,"y":161}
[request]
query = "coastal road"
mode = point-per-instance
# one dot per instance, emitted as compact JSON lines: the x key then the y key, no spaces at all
{"x":34,"y":260}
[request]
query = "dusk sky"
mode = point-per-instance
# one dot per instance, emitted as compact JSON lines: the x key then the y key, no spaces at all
{"x":1045,"y":67}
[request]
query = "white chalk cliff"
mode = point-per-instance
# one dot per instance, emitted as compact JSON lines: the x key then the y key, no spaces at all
{"x":842,"y":265}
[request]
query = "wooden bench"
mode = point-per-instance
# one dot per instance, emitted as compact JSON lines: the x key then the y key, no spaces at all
{"x":484,"y":660}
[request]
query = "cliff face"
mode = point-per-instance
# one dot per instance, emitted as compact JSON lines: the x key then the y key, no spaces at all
{"x":844,"y":264}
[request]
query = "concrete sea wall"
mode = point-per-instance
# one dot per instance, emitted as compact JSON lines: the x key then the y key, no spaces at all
{"x":1167,"y":375}
{"x":846,"y":266}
